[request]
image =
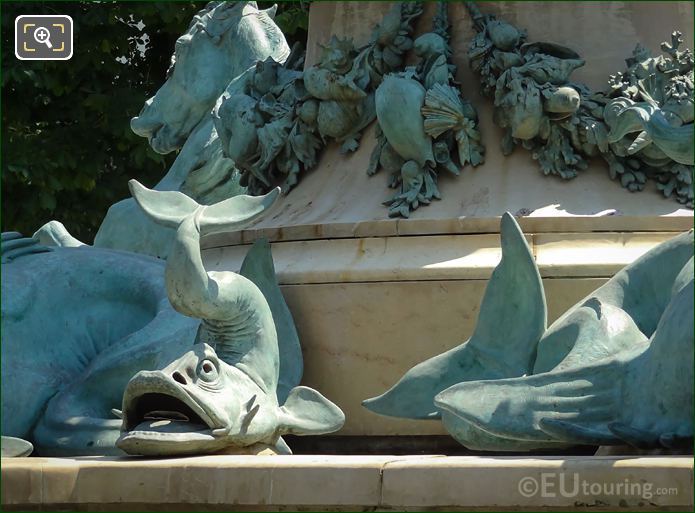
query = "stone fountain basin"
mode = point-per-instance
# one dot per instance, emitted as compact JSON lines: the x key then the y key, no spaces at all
{"x":348,"y":483}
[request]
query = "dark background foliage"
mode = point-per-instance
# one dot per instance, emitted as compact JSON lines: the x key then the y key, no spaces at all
{"x":67,"y":148}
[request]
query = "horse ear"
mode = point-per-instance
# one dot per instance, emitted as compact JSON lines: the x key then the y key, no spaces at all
{"x":306,"y":412}
{"x":271,"y":11}
{"x":222,"y":16}
{"x":223,"y":10}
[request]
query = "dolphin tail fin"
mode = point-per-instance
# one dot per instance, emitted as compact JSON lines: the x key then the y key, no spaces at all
{"x":235,"y":213}
{"x":166,"y":208}
{"x":170,"y":208}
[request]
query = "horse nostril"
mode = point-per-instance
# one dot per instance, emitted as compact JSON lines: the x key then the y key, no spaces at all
{"x":143,"y":126}
{"x":178,"y":377}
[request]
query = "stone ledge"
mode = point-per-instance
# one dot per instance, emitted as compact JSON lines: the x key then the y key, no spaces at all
{"x":349,"y":482}
{"x":681,"y":221}
{"x":441,"y":257}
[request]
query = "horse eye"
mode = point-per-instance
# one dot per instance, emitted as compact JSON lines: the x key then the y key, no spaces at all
{"x":182,"y":46}
{"x":207,"y":367}
{"x":170,"y":69}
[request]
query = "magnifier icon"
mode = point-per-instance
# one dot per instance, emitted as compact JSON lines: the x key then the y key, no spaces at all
{"x":43,"y":36}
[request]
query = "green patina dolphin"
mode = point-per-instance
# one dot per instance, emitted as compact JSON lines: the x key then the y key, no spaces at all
{"x":78,"y":323}
{"x":222,"y":392}
{"x":617,"y":367}
{"x":500,"y":347}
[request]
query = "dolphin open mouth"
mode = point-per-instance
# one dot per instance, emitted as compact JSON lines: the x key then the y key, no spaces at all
{"x":159,"y":418}
{"x":162,"y":410}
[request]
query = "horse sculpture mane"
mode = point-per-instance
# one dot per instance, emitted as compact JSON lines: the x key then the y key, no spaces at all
{"x":218,"y":18}
{"x":222,"y":42}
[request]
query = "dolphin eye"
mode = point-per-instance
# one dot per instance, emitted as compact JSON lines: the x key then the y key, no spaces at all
{"x":207,"y":371}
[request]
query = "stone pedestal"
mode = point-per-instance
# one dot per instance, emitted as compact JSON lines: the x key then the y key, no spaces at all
{"x":373,"y":296}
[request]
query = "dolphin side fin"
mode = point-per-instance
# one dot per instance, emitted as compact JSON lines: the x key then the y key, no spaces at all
{"x":511,"y":321}
{"x":577,"y":433}
{"x":307,"y":412}
{"x":12,"y":447}
{"x":281,"y":446}
{"x":655,"y":407}
{"x":412,"y":397}
{"x":258,"y":267}
{"x":514,"y":408}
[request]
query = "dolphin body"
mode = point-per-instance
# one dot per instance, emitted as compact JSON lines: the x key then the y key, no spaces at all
{"x":79,"y":322}
{"x":222,"y":392}
{"x":617,"y":367}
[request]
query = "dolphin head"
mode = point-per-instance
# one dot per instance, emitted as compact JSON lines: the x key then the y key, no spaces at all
{"x":212,"y":398}
{"x":197,"y":404}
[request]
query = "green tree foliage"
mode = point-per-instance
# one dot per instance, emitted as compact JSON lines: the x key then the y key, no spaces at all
{"x":67,"y":148}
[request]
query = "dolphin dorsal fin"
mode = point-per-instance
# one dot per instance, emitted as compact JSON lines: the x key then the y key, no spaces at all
{"x":513,"y":313}
{"x":258,"y":267}
{"x":510,"y":324}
